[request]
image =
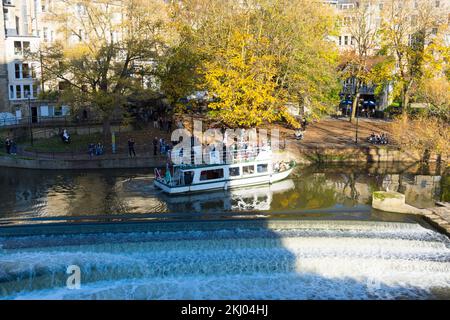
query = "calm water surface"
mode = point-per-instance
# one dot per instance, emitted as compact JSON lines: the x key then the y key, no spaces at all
{"x":329,"y":191}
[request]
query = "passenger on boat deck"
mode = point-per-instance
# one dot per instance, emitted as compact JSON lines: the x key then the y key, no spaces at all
{"x":167,"y":176}
{"x":276,"y":167}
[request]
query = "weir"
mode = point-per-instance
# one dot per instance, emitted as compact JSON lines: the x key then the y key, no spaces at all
{"x":306,"y":259}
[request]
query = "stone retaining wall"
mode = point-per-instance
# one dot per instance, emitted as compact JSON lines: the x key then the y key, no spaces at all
{"x":17,"y":162}
{"x":308,"y":154}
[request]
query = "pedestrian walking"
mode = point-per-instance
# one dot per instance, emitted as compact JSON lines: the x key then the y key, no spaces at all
{"x":131,"y":151}
{"x":13,"y":148}
{"x":91,"y":150}
{"x":8,"y":145}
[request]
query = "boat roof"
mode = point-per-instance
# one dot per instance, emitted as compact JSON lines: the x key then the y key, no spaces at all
{"x":204,"y":165}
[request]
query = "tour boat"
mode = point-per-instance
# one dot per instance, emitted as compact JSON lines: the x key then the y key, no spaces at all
{"x":244,"y":168}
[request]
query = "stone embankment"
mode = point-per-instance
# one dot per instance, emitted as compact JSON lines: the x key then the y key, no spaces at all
{"x":390,"y":201}
{"x":73,"y":164}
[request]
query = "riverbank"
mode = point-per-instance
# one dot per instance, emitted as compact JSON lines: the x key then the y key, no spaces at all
{"x":327,"y":141}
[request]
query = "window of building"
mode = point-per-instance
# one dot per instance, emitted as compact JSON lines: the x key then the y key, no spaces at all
{"x":17,"y":47}
{"x":51,"y":36}
{"x":340,"y":40}
{"x":352,"y":40}
{"x":380,"y":6}
{"x":261,"y":168}
{"x":234,"y":172}
{"x":248,"y":169}
{"x":26,"y":72}
{"x":437,"y":4}
{"x":17,"y":70}
{"x":346,"y":40}
{"x":57,"y":111}
{"x":35,"y":90}
{"x":27,"y":91}
{"x":11,"y":92}
{"x":33,"y":71}
{"x":44,"y":5}
{"x":18,"y":92}
{"x":434,"y":31}
{"x":45,"y":34}
{"x":21,"y":47}
{"x":17,"y":25}
{"x":211,"y":174}
{"x":26,"y":47}
{"x":62,"y":85}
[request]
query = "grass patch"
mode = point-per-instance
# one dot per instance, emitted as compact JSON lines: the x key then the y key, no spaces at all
{"x":382,"y":195}
{"x":78,"y":143}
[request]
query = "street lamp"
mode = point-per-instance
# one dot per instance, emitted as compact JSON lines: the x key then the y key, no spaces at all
{"x":357,"y":119}
{"x":30,"y":117}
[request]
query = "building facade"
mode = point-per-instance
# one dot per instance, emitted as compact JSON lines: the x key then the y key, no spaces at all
{"x":19,"y":35}
{"x":373,"y":13}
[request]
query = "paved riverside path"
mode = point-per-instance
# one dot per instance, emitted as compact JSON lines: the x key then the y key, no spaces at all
{"x":338,"y":133}
{"x":328,"y":133}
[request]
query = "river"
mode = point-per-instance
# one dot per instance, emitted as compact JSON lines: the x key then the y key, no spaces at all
{"x":312,"y":236}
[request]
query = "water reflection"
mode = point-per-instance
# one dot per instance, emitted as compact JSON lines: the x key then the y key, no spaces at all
{"x":32,"y":194}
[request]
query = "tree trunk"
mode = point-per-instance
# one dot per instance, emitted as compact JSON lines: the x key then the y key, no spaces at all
{"x":439,"y":164}
{"x":426,"y":156}
{"x":355,"y":101}
{"x":405,"y":100}
{"x":354,"y":107}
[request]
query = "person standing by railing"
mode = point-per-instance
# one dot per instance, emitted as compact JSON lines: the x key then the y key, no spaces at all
{"x":8,"y":145}
{"x":13,"y":147}
{"x":155,"y":145}
{"x":131,"y":151}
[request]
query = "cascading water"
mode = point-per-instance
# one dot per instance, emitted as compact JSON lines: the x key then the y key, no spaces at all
{"x":260,"y":259}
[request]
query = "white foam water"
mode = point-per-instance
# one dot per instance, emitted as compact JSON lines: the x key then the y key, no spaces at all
{"x":289,"y":260}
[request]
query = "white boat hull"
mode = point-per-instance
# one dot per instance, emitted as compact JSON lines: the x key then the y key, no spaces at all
{"x":225,"y":184}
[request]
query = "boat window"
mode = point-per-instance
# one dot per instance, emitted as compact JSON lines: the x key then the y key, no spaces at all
{"x":261,"y":168}
{"x":234,"y":172}
{"x":248,"y":169}
{"x":211,"y":174}
{"x":188,"y":177}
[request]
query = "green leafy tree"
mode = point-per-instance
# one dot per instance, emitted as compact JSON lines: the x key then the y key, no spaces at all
{"x":107,"y":49}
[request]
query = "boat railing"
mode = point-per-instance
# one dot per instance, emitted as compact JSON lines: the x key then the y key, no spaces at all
{"x":220,"y":157}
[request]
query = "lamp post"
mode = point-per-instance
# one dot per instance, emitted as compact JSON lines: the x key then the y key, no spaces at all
{"x":357,"y":119}
{"x":30,"y":118}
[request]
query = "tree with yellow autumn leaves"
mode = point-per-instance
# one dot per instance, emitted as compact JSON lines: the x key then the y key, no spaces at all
{"x":253,"y":57}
